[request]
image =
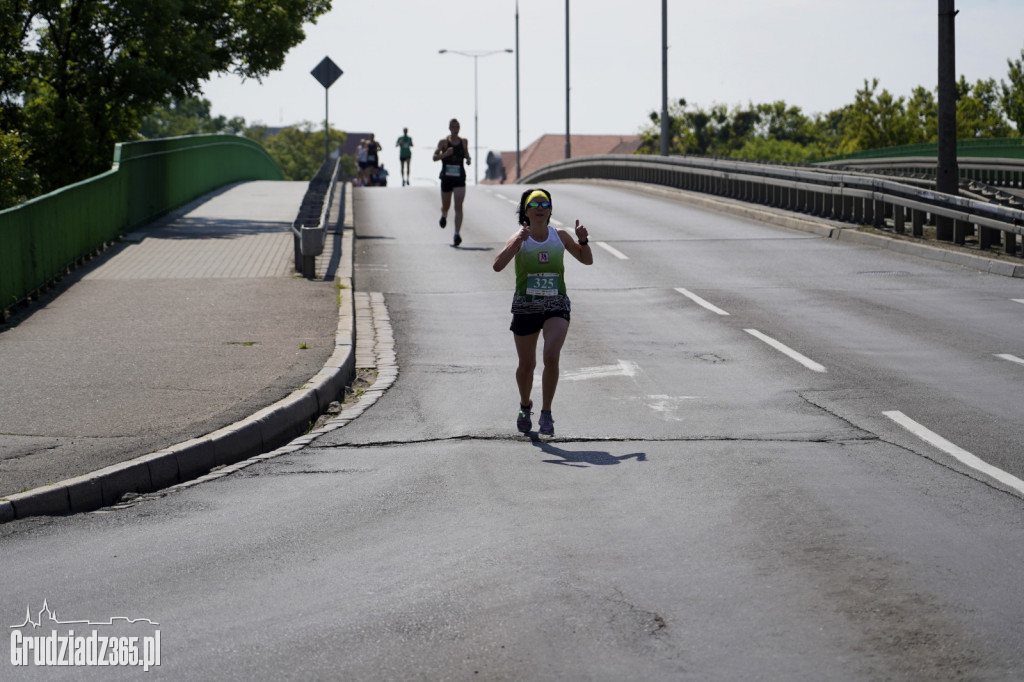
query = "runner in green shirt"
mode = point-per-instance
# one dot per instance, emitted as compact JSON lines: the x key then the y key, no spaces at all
{"x":404,"y":144}
{"x":540,"y":302}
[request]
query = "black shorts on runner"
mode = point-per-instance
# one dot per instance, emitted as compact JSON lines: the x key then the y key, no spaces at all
{"x":448,"y":184}
{"x":525,"y":324}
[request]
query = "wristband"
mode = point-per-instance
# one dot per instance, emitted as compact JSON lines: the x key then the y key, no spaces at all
{"x":583,"y":242}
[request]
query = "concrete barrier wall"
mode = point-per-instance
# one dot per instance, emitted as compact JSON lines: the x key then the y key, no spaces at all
{"x":42,"y":238}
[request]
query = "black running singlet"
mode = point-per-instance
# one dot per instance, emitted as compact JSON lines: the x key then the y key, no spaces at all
{"x":452,"y":166}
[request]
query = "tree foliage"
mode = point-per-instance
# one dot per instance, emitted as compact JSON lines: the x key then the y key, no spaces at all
{"x":875,"y":119}
{"x":17,"y":182}
{"x":1011,"y":94}
{"x":187,"y":116}
{"x":78,"y":76}
{"x":298,"y":150}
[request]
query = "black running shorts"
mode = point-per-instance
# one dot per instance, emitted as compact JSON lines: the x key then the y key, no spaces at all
{"x":525,"y":324}
{"x":448,"y":184}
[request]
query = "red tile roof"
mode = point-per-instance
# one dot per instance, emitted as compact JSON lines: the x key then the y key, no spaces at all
{"x":550,"y":148}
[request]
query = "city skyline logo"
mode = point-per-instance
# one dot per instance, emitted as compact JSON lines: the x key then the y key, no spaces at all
{"x":52,"y":618}
{"x":57,"y":643}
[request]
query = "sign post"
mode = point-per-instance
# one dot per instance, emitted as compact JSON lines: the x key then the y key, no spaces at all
{"x":326,"y":72}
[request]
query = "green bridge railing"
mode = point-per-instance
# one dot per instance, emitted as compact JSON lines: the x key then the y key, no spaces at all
{"x":40,"y":239}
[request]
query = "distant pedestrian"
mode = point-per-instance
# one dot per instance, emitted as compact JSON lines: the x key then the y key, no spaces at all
{"x":372,"y":150}
{"x":361,"y":155}
{"x":404,"y":144}
{"x":540,"y":302}
{"x":452,"y":151}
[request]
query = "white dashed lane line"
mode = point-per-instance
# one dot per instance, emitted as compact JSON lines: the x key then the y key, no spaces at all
{"x":786,"y":350}
{"x":777,"y":345}
{"x":612,"y":250}
{"x":955,"y":451}
{"x":1011,"y":358}
{"x":701,"y":302}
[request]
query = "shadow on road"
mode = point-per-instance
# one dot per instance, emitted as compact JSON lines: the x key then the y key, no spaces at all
{"x":472,"y":248}
{"x":583,"y":458}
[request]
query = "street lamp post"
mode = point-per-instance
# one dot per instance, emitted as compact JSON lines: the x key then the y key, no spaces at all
{"x":947,"y":169}
{"x":476,"y":132}
{"x":519,"y":170}
{"x":568,"y":150}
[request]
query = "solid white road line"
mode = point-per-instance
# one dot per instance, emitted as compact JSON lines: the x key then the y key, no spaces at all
{"x":955,"y":451}
{"x":612,"y":250}
{"x":1011,"y":358}
{"x":1017,"y":300}
{"x":700,"y":301}
{"x":802,"y":359}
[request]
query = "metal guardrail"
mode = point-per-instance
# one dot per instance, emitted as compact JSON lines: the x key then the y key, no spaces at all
{"x":990,"y":171}
{"x":846,"y":197}
{"x":310,"y":226}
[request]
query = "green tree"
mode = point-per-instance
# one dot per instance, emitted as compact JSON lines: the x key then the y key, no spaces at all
{"x":187,"y":116}
{"x":828,"y":130}
{"x":874,"y":120}
{"x":299,"y":150}
{"x":651,"y":136}
{"x":17,"y":182}
{"x":778,"y":132}
{"x":735,"y":131}
{"x":717,"y":131}
{"x":77,"y":76}
{"x":978,"y":112}
{"x":1011,"y":94}
{"x":777,"y":121}
{"x":922,"y":116}
{"x":778,"y":151}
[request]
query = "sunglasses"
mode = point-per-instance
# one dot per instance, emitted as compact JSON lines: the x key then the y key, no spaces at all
{"x":539,"y":204}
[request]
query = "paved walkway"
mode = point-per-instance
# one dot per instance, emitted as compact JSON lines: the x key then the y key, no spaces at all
{"x":192,"y":342}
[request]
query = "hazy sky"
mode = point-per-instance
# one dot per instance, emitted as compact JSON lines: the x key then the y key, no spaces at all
{"x":813,"y":54}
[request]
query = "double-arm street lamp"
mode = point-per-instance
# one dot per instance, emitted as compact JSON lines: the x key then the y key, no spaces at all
{"x":476,"y":133}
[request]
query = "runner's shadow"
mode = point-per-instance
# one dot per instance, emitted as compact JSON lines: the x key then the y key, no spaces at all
{"x":584,"y":458}
{"x":472,"y":248}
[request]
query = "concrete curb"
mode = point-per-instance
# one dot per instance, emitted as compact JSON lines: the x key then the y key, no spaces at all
{"x":825,"y":228}
{"x":259,"y":433}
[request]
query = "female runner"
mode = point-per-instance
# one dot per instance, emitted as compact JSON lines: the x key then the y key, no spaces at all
{"x":540,"y":302}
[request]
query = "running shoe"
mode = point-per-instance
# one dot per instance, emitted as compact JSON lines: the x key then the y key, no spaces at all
{"x":523,"y":422}
{"x":458,"y":239}
{"x":547,"y":424}
{"x":443,"y":221}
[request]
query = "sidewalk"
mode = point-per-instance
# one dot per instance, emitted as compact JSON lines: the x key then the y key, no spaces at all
{"x":192,"y":343}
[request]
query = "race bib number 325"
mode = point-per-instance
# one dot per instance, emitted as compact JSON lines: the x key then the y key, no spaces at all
{"x":542,"y":284}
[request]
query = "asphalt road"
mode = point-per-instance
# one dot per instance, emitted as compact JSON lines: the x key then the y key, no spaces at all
{"x":740,"y":486}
